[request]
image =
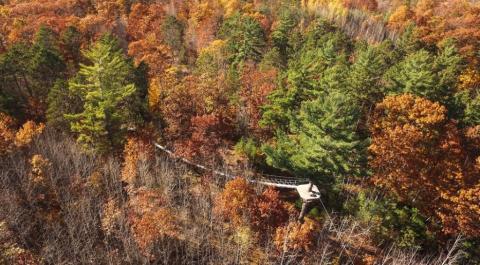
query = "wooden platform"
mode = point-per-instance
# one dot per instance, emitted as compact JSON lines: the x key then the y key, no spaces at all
{"x":306,"y":195}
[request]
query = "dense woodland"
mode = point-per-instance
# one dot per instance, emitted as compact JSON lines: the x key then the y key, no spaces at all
{"x":377,"y":102}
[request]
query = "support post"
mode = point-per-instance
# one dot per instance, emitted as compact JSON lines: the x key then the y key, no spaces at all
{"x":303,"y":212}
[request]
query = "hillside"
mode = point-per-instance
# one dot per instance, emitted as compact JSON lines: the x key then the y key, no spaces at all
{"x":376,"y":103}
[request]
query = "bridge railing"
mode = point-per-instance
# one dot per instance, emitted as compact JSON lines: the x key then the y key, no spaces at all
{"x":263,"y":179}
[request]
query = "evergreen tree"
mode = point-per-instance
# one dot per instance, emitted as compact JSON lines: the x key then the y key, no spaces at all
{"x":363,"y":79}
{"x":414,"y":75}
{"x":172,"y":35}
{"x":14,"y":82}
{"x":281,"y":35}
{"x":245,"y":38}
{"x":322,"y":143}
{"x":423,"y":74}
{"x":46,"y":64}
{"x":104,"y":88}
{"x":60,"y":102}
{"x":70,"y":42}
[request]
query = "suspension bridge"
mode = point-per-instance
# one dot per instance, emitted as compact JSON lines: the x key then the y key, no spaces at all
{"x":306,"y":190}
{"x":263,"y":179}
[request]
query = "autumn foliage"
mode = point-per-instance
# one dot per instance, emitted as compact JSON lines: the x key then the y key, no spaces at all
{"x":296,"y":237}
{"x":240,"y":205}
{"x":417,"y":156}
{"x":11,"y":138}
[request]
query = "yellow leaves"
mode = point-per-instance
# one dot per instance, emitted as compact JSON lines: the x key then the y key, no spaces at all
{"x":409,"y":109}
{"x":9,"y":138}
{"x":331,"y":8}
{"x":111,"y":215}
{"x":469,"y":79}
{"x":215,"y":47}
{"x":296,"y":236}
{"x":231,"y":6}
{"x":41,"y":167}
{"x":27,"y":132}
{"x":399,"y":18}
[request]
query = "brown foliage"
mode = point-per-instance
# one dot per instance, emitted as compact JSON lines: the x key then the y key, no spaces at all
{"x":256,"y":86}
{"x":418,"y":157}
{"x":43,"y":195}
{"x":11,"y":252}
{"x":455,"y":19}
{"x":296,"y":237}
{"x":150,"y":219}
{"x":236,"y":201}
{"x":7,"y":133}
{"x":144,"y":29}
{"x":137,"y":149}
{"x":270,"y":211}
{"x":369,"y":5}
{"x":241,"y":206}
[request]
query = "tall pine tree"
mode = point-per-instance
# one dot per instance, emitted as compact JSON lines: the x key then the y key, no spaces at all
{"x":322,"y":143}
{"x":104,"y":88}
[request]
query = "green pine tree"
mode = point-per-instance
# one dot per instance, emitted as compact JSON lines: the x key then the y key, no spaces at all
{"x":104,"y":88}
{"x":61,"y":101}
{"x":46,"y":64}
{"x":364,"y":78}
{"x":245,"y":38}
{"x":322,"y":143}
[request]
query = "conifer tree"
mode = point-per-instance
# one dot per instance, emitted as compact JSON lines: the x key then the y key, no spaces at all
{"x":364,"y":75}
{"x":281,"y":35}
{"x":60,"y":102}
{"x":426,"y":75}
{"x":46,"y":64}
{"x":322,"y":143}
{"x":104,"y":87}
{"x":245,"y":38}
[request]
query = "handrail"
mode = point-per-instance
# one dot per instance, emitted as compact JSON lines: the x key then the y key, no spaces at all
{"x":268,"y":180}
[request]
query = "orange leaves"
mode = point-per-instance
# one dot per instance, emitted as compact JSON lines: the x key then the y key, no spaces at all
{"x":297,"y":237}
{"x":236,"y":201}
{"x":144,"y":29}
{"x":256,"y":86}
{"x":241,"y":206}
{"x":468,"y":210}
{"x":418,"y":157}
{"x":403,"y":129}
{"x":270,"y":212}
{"x":136,"y":150}
{"x":153,"y":226}
{"x":27,"y":132}
{"x":7,"y":134}
{"x":150,"y":220}
{"x":9,"y":138}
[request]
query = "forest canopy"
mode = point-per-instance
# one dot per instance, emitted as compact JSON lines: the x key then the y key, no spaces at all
{"x":375,"y":102}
